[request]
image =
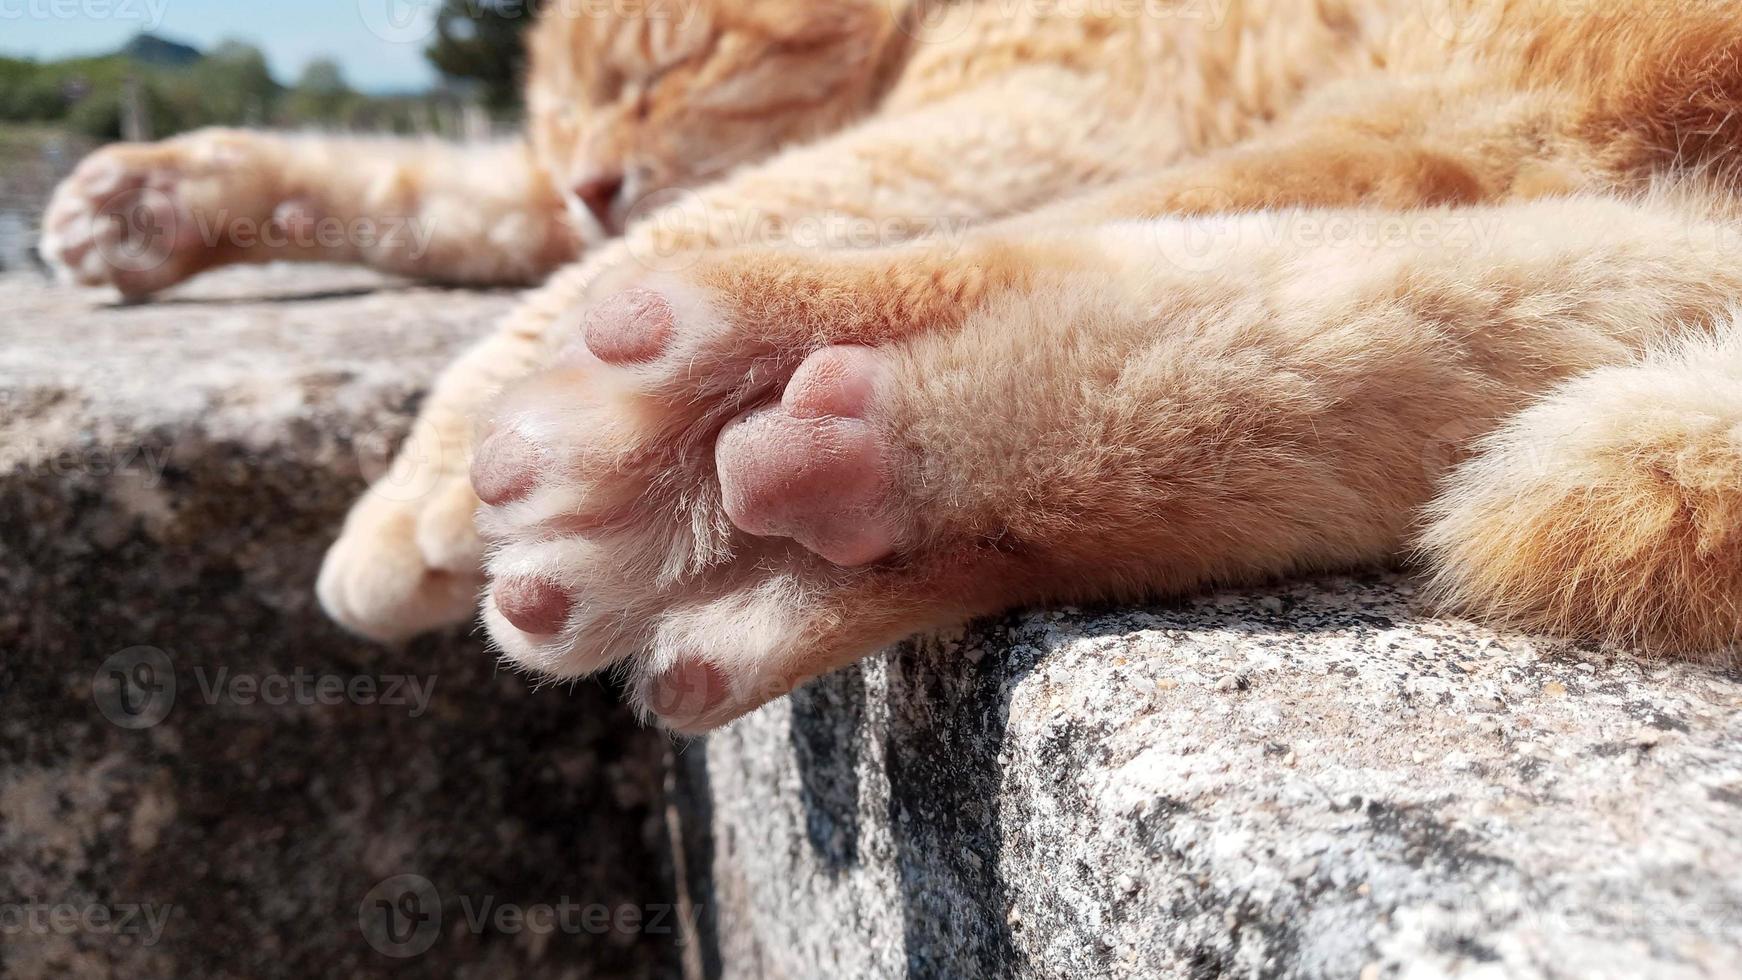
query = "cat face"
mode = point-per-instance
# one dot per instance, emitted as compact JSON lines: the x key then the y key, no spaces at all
{"x":631,"y":97}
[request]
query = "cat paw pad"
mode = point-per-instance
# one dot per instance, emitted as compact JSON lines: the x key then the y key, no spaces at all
{"x":677,"y":493}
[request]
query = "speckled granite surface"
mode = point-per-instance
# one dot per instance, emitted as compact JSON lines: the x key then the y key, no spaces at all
{"x":199,"y":775}
{"x":1314,"y":781}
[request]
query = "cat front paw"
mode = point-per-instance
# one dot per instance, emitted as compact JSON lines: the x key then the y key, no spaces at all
{"x":710,"y":488}
{"x":409,"y":559}
{"x":144,"y":216}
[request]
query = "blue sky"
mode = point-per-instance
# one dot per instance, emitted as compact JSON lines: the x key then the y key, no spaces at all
{"x":378,"y":42}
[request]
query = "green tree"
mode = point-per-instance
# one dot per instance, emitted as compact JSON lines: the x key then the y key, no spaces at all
{"x":231,"y":86}
{"x":28,"y":93}
{"x":320,"y":95}
{"x":479,"y":42}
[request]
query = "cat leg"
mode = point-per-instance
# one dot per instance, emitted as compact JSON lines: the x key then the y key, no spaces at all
{"x":409,"y":558}
{"x":142,"y":217}
{"x":1392,"y":142}
{"x":1000,"y":148}
{"x":1611,"y":510}
{"x":401,"y":563}
{"x":766,"y":465}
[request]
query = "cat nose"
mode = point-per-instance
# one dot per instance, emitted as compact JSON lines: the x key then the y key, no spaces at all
{"x":599,"y":191}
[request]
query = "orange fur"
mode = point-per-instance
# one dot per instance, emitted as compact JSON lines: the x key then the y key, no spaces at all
{"x":1610,"y":510}
{"x":1075,"y":398}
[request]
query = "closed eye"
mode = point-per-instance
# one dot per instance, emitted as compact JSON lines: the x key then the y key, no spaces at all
{"x":698,"y":54}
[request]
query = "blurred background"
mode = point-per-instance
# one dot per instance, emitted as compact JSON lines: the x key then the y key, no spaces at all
{"x":78,"y":73}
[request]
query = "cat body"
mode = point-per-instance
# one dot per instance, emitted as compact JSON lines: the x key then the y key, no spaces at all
{"x":867,"y":317}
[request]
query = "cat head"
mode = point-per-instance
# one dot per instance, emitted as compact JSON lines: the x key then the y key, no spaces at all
{"x":631,"y":97}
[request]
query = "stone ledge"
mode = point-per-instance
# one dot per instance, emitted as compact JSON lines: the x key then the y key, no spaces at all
{"x":172,"y":474}
{"x":1311,"y":781}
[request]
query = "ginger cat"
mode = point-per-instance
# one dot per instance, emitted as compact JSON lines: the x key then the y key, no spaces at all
{"x":922,"y":310}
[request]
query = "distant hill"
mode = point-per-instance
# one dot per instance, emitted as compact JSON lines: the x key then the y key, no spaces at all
{"x":149,"y":49}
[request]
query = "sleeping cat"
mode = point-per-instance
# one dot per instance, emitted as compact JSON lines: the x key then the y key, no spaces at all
{"x":869,"y":316}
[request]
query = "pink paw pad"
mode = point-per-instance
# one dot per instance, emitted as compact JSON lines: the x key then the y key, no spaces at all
{"x":631,"y":326}
{"x":685,"y":695}
{"x":533,"y":605}
{"x":505,"y":468}
{"x":813,"y":468}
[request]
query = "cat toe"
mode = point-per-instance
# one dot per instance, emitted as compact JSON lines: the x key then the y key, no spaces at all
{"x":687,"y":698}
{"x":814,"y":468}
{"x":378,"y":582}
{"x":505,"y":468}
{"x":630,"y":326}
{"x":533,"y":605}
